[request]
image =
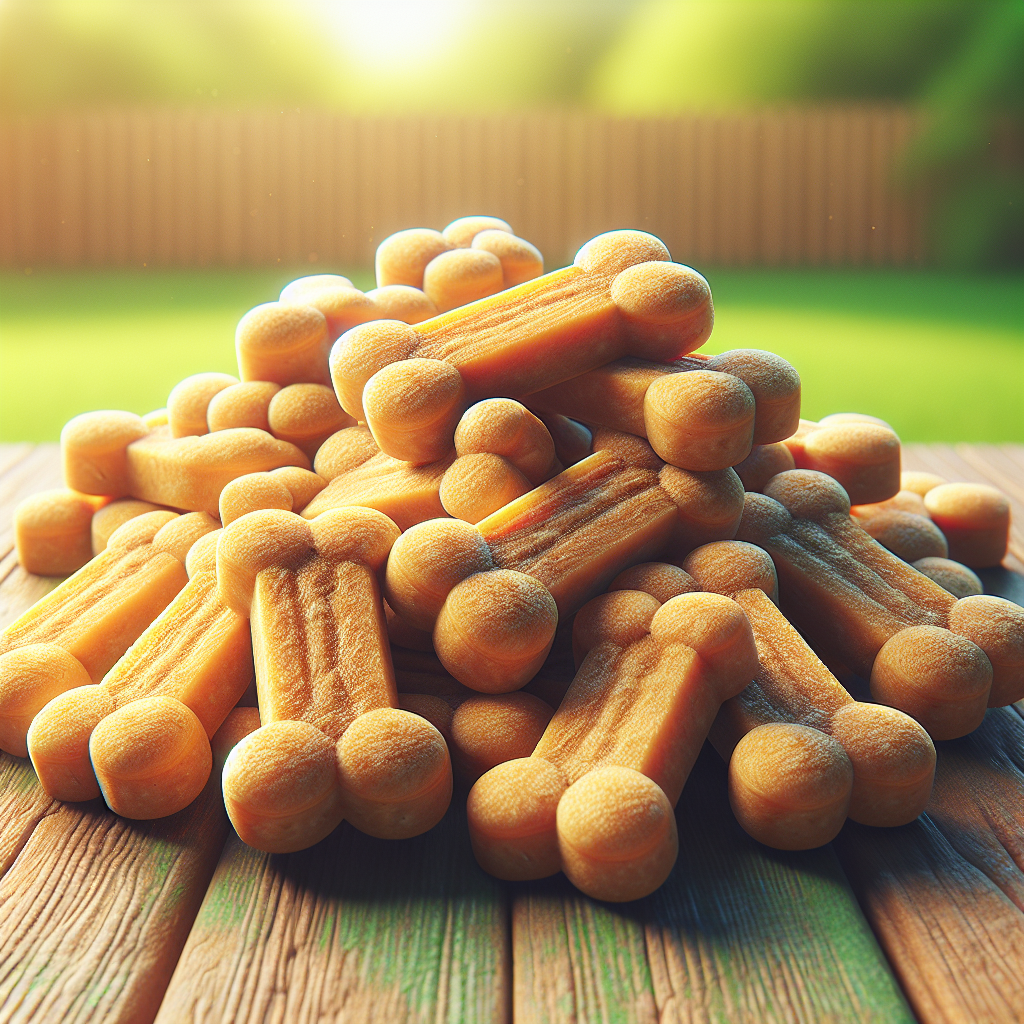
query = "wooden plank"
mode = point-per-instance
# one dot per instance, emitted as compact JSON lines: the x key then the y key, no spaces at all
{"x":354,"y":929}
{"x":945,"y":894}
{"x":94,"y":909}
{"x":738,"y":933}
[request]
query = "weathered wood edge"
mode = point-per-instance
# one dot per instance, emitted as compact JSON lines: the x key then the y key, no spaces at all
{"x":354,"y":928}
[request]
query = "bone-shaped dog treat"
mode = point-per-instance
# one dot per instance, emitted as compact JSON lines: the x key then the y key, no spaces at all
{"x":862,"y":453}
{"x":951,"y":576}
{"x":402,"y":302}
{"x":777,"y":802}
{"x":242,"y":405}
{"x":520,"y":260}
{"x":306,"y":415}
{"x":621,"y":297}
{"x":493,"y":593}
{"x":93,"y":617}
{"x":143,"y":735}
{"x":342,"y":307}
{"x":359,"y":473}
{"x":938,"y":659}
{"x":595,"y":799}
{"x":189,"y":402}
{"x":53,"y":531}
{"x":700,"y":412}
{"x":503,"y":451}
{"x":114,"y":453}
{"x":333,"y":742}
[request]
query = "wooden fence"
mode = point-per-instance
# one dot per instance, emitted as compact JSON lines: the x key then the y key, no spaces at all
{"x":182,"y":188}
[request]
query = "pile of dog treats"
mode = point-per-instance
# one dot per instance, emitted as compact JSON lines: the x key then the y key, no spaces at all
{"x":509,"y":528}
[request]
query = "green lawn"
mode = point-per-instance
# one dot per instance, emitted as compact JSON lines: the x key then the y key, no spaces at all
{"x":941,"y":357}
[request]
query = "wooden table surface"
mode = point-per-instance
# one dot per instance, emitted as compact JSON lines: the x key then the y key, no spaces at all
{"x":108,"y":920}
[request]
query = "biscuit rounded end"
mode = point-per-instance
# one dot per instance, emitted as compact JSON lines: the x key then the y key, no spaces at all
{"x":495,"y":630}
{"x":997,"y":627}
{"x":661,"y":580}
{"x":729,"y":566}
{"x":520,"y":260}
{"x":476,"y":485}
{"x":282,"y":343}
{"x":718,"y":629}
{"x":893,"y":760}
{"x":616,"y":834}
{"x":614,"y":251}
{"x":360,"y":352}
{"x":355,"y":534}
{"x":775,"y":385}
{"x":242,"y":405}
{"x":58,"y":742}
{"x":30,"y":678}
{"x":189,"y":401}
{"x":941,"y":679}
{"x":619,"y":617}
{"x":700,"y":420}
{"x":863,"y":457}
{"x":907,"y":535}
{"x":512,"y":819}
{"x":667,"y":306}
{"x":256,"y":541}
{"x":953,"y":577}
{"x":395,"y":774}
{"x":490,"y":730}
{"x":250,"y":493}
{"x":975,"y":519}
{"x":808,"y":494}
{"x":402,"y":257}
{"x":764,"y":462}
{"x":94,"y":451}
{"x":461,"y":232}
{"x":790,"y":786}
{"x":281,"y":787}
{"x":53,"y":532}
{"x":426,"y":562}
{"x":306,"y":415}
{"x":455,"y":278}
{"x":402,"y":302}
{"x":413,"y":407}
{"x":152,"y":757}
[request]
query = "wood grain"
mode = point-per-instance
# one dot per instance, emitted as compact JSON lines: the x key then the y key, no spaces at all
{"x":739,"y":933}
{"x":354,"y":929}
{"x":945,"y":894}
{"x":94,"y":909}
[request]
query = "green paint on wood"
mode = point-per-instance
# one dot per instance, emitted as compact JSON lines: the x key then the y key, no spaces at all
{"x":738,"y":932}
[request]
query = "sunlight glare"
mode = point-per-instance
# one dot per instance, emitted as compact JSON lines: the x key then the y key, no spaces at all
{"x":387,"y":32}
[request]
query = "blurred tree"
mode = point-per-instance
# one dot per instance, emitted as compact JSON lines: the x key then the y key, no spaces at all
{"x":962,"y":60}
{"x":972,"y":152}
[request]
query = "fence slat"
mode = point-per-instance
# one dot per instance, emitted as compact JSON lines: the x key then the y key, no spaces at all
{"x":815,"y":186}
